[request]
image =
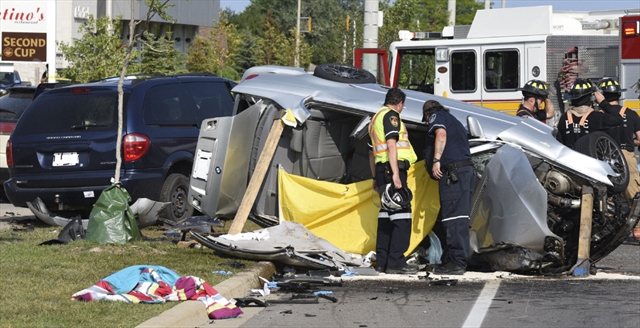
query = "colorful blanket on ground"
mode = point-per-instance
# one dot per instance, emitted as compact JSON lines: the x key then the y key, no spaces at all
{"x":156,"y":284}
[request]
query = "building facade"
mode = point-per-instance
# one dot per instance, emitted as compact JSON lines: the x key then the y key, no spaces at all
{"x":25,"y":16}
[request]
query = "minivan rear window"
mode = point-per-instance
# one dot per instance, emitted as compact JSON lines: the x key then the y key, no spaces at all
{"x":65,"y":113}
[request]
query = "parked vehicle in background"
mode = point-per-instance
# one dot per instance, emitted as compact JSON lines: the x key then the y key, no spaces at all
{"x":528,"y":201}
{"x":12,"y":105}
{"x":10,"y":79}
{"x":63,"y":148}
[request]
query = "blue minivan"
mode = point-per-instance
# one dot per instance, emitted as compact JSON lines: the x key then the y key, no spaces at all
{"x":63,"y":148}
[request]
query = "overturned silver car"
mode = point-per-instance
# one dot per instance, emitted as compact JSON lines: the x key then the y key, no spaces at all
{"x":528,"y":199}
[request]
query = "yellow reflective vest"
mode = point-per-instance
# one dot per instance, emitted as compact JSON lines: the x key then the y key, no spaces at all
{"x":379,"y":142}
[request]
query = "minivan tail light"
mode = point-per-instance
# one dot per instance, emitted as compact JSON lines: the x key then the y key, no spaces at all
{"x":80,"y":90}
{"x":135,"y":146}
{"x":9,"y":154}
{"x":7,"y":127}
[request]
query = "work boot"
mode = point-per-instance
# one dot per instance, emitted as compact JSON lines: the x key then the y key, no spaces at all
{"x":409,"y":269}
{"x":449,"y":268}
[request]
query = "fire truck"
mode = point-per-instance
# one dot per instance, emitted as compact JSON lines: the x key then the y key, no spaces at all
{"x":630,"y":58}
{"x":484,"y":63}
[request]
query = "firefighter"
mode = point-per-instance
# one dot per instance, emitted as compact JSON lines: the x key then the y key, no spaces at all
{"x":581,"y":118}
{"x":390,"y":156}
{"x":448,"y":160}
{"x":534,"y":94}
{"x":628,"y":134}
{"x":636,"y":231}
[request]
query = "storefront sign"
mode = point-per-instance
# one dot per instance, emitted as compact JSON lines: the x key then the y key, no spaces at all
{"x":24,"y":46}
{"x":23,"y":16}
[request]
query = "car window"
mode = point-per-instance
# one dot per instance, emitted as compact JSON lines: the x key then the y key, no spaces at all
{"x":15,"y":102}
{"x":73,"y":112}
{"x":167,"y":105}
{"x":6,"y":78}
{"x":213,"y":99}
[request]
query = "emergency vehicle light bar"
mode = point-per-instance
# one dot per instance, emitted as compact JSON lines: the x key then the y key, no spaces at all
{"x":406,"y":35}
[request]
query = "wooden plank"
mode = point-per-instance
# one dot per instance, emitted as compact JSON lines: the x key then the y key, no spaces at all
{"x":258,"y":175}
{"x":584,"y":240}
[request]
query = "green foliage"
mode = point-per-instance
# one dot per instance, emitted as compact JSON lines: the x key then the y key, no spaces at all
{"x":159,"y":56}
{"x":246,"y":52}
{"x":199,"y":55}
{"x":98,"y":54}
{"x":214,"y":52}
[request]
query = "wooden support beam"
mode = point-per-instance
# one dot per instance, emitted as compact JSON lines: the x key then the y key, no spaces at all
{"x":258,"y":174}
{"x":582,"y":266}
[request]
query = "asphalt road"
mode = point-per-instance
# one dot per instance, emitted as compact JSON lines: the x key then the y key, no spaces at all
{"x":608,"y":299}
{"x":516,"y":303}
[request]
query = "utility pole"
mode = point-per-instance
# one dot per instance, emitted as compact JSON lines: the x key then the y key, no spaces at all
{"x":452,"y":12}
{"x":370,"y":35}
{"x":297,"y":56}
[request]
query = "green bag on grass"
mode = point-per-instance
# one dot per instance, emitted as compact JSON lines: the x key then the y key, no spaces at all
{"x":111,"y":220}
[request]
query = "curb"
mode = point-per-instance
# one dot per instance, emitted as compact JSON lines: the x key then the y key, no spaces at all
{"x":193,"y":313}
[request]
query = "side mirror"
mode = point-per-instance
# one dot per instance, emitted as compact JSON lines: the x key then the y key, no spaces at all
{"x":475,"y":129}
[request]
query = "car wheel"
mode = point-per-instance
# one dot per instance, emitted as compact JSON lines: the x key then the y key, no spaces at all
{"x":601,"y":146}
{"x":344,"y":74}
{"x":175,"y":190}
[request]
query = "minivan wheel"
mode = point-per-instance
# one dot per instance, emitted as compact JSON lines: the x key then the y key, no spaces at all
{"x":175,"y":190}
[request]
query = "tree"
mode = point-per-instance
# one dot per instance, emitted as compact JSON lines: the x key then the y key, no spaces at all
{"x":98,"y":54}
{"x":246,"y":52}
{"x":214,"y":52}
{"x":198,"y":58}
{"x":155,"y":8}
{"x":271,"y":43}
{"x":159,"y":55}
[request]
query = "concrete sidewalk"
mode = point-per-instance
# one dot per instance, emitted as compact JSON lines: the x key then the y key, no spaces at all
{"x":192,"y":313}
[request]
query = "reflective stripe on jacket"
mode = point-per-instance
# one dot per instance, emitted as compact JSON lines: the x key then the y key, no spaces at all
{"x":379,"y":142}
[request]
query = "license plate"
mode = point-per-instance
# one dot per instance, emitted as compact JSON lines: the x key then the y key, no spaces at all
{"x":65,"y":159}
{"x":202,"y":164}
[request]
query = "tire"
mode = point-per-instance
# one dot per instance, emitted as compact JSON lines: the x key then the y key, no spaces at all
{"x":601,"y":146}
{"x":344,"y":74}
{"x":176,"y":190}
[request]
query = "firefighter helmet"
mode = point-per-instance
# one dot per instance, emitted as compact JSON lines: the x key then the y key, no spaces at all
{"x":535,"y":88}
{"x":581,"y":88}
{"x":610,"y":86}
{"x":393,"y":199}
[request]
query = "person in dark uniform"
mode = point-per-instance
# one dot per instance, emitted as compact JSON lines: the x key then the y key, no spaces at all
{"x":636,"y":230}
{"x":390,"y":156}
{"x":581,"y":118}
{"x":534,"y":94}
{"x":45,"y":75}
{"x":448,"y":160}
{"x":628,"y":134}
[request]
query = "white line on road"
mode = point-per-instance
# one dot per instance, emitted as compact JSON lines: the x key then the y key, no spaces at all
{"x":480,"y":309}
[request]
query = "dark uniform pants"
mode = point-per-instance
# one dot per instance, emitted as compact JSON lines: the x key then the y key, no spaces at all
{"x":455,"y":207}
{"x":394,"y":228}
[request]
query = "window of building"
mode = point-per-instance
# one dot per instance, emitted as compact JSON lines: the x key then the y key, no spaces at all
{"x":463,"y":71}
{"x":501,"y":69}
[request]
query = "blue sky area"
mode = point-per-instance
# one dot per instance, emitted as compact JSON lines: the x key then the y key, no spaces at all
{"x":582,"y":5}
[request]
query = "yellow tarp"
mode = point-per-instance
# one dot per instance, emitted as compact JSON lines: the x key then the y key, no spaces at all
{"x":346,"y":215}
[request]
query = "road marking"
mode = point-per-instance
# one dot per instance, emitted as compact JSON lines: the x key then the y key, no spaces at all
{"x":480,"y":309}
